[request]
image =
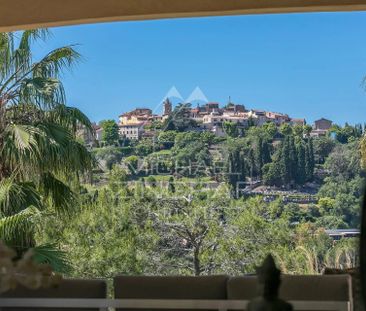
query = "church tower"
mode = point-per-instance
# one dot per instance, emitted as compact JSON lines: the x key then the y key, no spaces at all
{"x":168,"y":107}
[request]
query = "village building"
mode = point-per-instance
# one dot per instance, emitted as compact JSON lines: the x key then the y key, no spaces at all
{"x":232,"y":108}
{"x":131,"y":124}
{"x":139,"y":115}
{"x":277,"y":118}
{"x":98,"y":133}
{"x":321,"y":127}
{"x":258,"y":116}
{"x":322,"y":124}
{"x":213,"y":120}
{"x":132,"y":131}
{"x":297,"y":121}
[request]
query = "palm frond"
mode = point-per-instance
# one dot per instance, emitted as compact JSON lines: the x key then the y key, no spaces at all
{"x":60,"y":195}
{"x":22,"y":56}
{"x":23,"y":137}
{"x":6,"y":49}
{"x":28,"y":36}
{"x":70,"y":117}
{"x":20,"y":148}
{"x":15,"y":197}
{"x":45,"y":92}
{"x":18,"y":230}
{"x":79,"y":158}
{"x":61,"y":153}
{"x":55,"y":133}
{"x":50,"y":254}
{"x":53,"y":64}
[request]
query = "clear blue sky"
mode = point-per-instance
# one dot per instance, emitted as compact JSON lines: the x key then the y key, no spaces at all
{"x":306,"y":65}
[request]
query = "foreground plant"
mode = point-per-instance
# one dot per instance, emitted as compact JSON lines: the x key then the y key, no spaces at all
{"x":24,"y":271}
{"x":39,"y":154}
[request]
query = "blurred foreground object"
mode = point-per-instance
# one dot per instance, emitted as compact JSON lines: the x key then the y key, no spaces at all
{"x":23,"y":271}
{"x":269,"y":284}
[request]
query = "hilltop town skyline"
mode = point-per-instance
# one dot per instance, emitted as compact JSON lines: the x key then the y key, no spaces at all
{"x":143,"y":122}
{"x":308,"y":66}
{"x":159,"y":110}
{"x":197,"y":98}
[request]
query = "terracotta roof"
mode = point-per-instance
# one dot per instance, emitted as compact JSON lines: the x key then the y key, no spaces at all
{"x":323,"y":119}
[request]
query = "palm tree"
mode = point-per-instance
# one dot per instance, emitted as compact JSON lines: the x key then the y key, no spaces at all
{"x":40,"y":156}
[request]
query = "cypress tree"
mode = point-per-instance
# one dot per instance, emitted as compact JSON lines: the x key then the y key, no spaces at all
{"x":312,"y":157}
{"x":233,"y":170}
{"x":278,"y":163}
{"x":285,"y":162}
{"x":301,"y":172}
{"x":266,"y":154}
{"x":259,"y":157}
{"x":243,"y":168}
{"x":171,"y":186}
{"x":251,"y":160}
{"x":309,"y":160}
{"x":292,"y":158}
{"x":262,"y":156}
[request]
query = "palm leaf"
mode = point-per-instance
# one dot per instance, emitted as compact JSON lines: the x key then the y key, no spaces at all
{"x":23,"y":137}
{"x":60,"y":195}
{"x":15,"y":197}
{"x":6,"y":48}
{"x":55,"y":134}
{"x":50,"y":254}
{"x":20,"y":148}
{"x":53,"y":64}
{"x":43,"y":91}
{"x":22,"y":56}
{"x":70,"y":117}
{"x":28,"y":36}
{"x":18,"y":230}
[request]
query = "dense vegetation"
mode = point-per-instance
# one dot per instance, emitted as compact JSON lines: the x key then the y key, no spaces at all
{"x":181,"y":203}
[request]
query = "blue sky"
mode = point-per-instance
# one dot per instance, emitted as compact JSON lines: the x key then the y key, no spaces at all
{"x":306,"y":65}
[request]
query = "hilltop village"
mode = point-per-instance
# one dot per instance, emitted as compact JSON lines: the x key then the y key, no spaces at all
{"x":139,"y":123}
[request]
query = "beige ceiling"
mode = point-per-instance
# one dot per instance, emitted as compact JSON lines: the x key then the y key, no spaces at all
{"x":24,"y":14}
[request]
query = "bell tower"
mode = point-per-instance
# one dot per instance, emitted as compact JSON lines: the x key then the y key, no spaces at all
{"x":168,"y":107}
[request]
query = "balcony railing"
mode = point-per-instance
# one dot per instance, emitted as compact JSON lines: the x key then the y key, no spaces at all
{"x":104,"y":304}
